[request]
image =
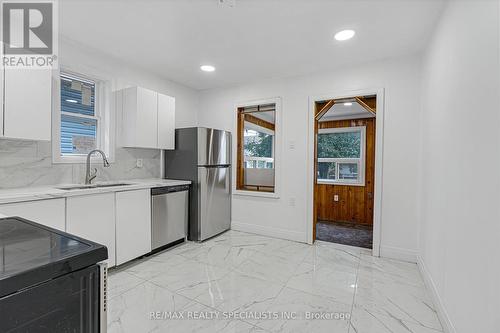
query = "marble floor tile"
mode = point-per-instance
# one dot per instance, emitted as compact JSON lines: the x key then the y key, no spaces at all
{"x":120,"y":282}
{"x":333,"y":257}
{"x":189,"y":274}
{"x":304,"y":307}
{"x":240,"y":276}
{"x":395,"y":289}
{"x":409,"y":303}
{"x":291,"y":251}
{"x":268,"y":267}
{"x":148,"y":268}
{"x":225,"y":256}
{"x":388,"y":269}
{"x":323,"y":280}
{"x":234,"y":292}
{"x":237,"y":238}
{"x":130,"y":311}
{"x":366,"y":321}
{"x":200,"y":322}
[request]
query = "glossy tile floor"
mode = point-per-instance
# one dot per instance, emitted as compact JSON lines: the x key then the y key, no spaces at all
{"x":260,"y":284}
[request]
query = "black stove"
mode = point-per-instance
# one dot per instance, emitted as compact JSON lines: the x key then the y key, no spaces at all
{"x":48,"y":278}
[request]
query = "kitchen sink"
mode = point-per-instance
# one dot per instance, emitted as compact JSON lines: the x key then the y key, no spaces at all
{"x":112,"y":184}
{"x":90,"y":186}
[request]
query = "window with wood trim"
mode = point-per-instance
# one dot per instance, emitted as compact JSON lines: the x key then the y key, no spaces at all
{"x":256,"y":144}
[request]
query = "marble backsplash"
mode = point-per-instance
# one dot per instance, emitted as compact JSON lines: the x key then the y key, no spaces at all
{"x":29,"y":163}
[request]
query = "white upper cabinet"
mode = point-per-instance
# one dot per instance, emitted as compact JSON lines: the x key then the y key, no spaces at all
{"x":166,"y":122}
{"x":1,"y":102}
{"x":146,"y":119}
{"x":27,"y":104}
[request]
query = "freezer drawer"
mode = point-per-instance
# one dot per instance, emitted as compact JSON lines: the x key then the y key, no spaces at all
{"x":169,"y":215}
{"x":214,"y":201}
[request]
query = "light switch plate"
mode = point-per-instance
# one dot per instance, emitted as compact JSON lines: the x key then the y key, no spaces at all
{"x":139,"y":163}
{"x":336,"y":197}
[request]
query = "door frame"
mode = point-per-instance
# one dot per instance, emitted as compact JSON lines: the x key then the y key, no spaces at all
{"x":379,"y":146}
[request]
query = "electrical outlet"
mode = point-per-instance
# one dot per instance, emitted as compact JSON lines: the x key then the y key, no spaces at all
{"x":336,"y":197}
{"x":291,"y":202}
{"x":291,"y":144}
{"x":139,"y":163}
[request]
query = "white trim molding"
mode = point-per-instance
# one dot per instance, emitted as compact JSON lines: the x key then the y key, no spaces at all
{"x":398,"y":253}
{"x":443,"y":316}
{"x":104,"y":108}
{"x":379,"y":146}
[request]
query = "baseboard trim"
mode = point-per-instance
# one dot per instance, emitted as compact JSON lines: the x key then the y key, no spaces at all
{"x":398,"y":253}
{"x":440,"y":309}
{"x":268,"y":231}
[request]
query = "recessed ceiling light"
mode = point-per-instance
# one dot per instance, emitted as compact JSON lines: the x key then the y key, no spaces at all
{"x":344,"y":35}
{"x":207,"y":68}
{"x":347,"y":104}
{"x":71,"y":101}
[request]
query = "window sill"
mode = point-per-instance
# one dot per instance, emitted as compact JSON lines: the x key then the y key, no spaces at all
{"x":79,"y":159}
{"x":325,"y":182}
{"x":270,"y":195}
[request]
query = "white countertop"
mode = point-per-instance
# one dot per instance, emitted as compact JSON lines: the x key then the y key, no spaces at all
{"x":52,"y":191}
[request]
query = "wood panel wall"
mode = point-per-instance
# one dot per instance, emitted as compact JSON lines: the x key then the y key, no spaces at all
{"x":355,"y":202}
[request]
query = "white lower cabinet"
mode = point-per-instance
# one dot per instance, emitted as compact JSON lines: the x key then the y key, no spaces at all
{"x":133,"y":224}
{"x":93,"y":217}
{"x":47,"y":212}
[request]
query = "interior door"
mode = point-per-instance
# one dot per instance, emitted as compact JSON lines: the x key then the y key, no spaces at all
{"x":215,"y":200}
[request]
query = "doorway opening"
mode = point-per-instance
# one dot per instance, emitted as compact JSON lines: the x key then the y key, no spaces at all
{"x":344,"y":170}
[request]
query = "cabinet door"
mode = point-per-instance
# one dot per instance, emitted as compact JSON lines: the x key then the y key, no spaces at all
{"x":28,"y":102}
{"x":1,"y":101}
{"x":166,"y":122}
{"x":47,"y":212}
{"x":133,"y":225}
{"x":93,"y":217}
{"x":146,"y":119}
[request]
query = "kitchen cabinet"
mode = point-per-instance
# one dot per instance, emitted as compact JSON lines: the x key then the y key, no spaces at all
{"x":49,"y":212}
{"x":93,"y":217}
{"x":166,"y":122}
{"x":146,"y":119}
{"x":27,"y":104}
{"x":133,"y":224}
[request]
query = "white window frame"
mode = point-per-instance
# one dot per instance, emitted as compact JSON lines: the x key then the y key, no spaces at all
{"x":276,"y":148}
{"x":103,"y":115}
{"x":359,"y":161}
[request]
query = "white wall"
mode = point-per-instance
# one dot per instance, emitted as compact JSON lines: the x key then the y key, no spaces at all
{"x":401,"y":80}
{"x":460,"y":194}
{"x":123,"y":75}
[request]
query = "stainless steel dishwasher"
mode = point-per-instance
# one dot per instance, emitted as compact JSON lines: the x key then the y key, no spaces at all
{"x":169,"y":215}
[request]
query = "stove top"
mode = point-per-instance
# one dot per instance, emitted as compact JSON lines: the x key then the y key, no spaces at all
{"x":31,"y":253}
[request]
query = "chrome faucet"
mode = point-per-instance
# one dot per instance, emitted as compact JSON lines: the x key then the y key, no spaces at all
{"x":89,"y":176}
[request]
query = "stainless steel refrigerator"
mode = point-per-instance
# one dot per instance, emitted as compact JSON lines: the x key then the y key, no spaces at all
{"x":203,"y":156}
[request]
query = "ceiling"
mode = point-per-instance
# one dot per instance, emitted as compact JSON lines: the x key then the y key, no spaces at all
{"x":266,"y":116}
{"x":254,"y":40}
{"x":340,"y":111}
